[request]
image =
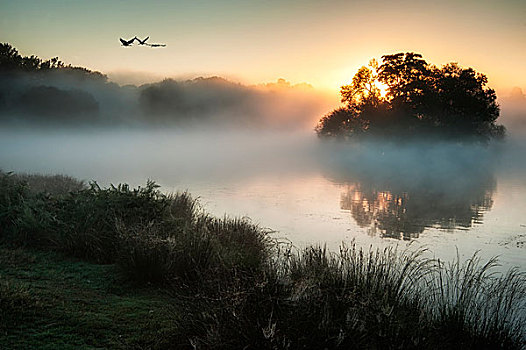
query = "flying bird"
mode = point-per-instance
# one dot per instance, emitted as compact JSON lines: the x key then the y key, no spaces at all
{"x":157,"y":45}
{"x":127,"y":42}
{"x":142,"y":42}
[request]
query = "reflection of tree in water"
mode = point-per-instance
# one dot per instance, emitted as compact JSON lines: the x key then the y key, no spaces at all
{"x":399,"y":189}
{"x":404,"y":213}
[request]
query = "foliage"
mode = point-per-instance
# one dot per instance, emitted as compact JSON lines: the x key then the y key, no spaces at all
{"x":225,"y":283}
{"x":51,"y":102}
{"x":342,"y":122}
{"x":363,"y":88}
{"x":364,"y":299}
{"x":205,"y":250}
{"x":11,"y":61}
{"x":12,"y":194}
{"x":421,"y":100}
{"x":87,"y":219}
{"x":55,"y":185}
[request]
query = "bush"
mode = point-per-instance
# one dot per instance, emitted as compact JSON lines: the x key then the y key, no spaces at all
{"x":189,"y":246}
{"x":54,"y":185}
{"x":24,"y":217}
{"x":88,"y":218}
{"x":145,"y":256}
{"x":12,"y":196}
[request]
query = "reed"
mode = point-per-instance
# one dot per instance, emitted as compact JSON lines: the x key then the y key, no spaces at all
{"x":239,"y":288}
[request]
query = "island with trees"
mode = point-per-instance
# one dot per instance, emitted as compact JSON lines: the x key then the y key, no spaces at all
{"x":420,"y":100}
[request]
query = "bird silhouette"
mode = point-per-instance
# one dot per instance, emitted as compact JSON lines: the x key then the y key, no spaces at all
{"x":142,"y":42}
{"x":127,"y":42}
{"x":157,"y":45}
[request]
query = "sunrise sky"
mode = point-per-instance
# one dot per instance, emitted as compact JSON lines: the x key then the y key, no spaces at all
{"x":319,"y":42}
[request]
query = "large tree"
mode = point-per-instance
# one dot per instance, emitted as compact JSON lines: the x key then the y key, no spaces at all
{"x":420,"y":99}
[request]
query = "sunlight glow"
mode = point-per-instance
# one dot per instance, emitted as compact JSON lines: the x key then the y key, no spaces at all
{"x":382,"y":87}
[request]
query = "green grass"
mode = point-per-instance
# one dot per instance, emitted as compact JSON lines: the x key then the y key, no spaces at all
{"x":134,"y":268}
{"x":50,"y":301}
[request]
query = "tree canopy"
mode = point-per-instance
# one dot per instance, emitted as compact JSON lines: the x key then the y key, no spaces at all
{"x":420,"y":100}
{"x":12,"y":62}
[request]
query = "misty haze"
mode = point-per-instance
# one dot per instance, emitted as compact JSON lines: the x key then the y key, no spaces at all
{"x":178,"y":198}
{"x":251,"y":151}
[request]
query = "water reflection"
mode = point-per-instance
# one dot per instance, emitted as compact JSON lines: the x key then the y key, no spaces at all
{"x":405,"y":215}
{"x":399,"y":194}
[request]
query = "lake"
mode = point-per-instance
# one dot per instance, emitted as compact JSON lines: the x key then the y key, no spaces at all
{"x":450,"y":198}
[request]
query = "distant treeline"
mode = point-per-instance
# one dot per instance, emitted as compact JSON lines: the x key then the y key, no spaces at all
{"x":29,"y":87}
{"x":50,"y":91}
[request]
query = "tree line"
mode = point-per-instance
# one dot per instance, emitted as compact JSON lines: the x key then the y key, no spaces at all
{"x":11,"y":61}
{"x":420,"y":100}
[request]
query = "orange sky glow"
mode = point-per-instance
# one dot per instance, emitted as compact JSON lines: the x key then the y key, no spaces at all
{"x":319,"y":42}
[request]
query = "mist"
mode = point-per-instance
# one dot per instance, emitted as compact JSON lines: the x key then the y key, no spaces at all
{"x":79,"y":123}
{"x":513,"y":113}
{"x":252,"y":151}
{"x":76,"y":98}
{"x":206,"y":153}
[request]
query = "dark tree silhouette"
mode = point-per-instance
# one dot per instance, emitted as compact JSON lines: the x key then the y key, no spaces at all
{"x":421,"y":99}
{"x":46,"y":90}
{"x":53,"y":103}
{"x":12,"y":62}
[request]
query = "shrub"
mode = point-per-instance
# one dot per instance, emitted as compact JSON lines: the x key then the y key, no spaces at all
{"x":88,"y":218}
{"x":192,"y":247}
{"x":24,"y":218}
{"x":12,"y":196}
{"x":54,"y":185}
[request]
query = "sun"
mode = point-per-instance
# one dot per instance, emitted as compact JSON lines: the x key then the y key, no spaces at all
{"x":382,"y":87}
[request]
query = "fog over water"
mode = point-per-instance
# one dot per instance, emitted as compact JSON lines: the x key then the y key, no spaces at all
{"x":445,"y":196}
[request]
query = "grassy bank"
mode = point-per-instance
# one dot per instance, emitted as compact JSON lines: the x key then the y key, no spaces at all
{"x":50,"y":301}
{"x":89,"y":267}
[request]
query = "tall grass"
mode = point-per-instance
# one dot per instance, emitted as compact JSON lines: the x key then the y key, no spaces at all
{"x":357,"y":295}
{"x":240,"y":289}
{"x":366,"y":299}
{"x":472,"y":298}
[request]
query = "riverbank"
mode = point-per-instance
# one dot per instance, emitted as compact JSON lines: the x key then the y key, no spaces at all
{"x":84,"y":266}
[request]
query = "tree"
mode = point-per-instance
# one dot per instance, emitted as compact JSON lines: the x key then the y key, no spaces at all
{"x":362,"y":90}
{"x":407,"y":76}
{"x":12,"y":62}
{"x":463,"y":105}
{"x":341,"y":123}
{"x":421,"y":99}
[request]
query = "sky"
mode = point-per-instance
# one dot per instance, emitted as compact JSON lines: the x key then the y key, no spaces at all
{"x":319,"y":42}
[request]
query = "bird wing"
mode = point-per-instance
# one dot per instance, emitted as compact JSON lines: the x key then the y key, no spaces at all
{"x":144,"y":41}
{"x":130,"y":41}
{"x":124,"y":42}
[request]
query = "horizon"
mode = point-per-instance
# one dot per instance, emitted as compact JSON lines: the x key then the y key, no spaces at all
{"x":301,"y":42}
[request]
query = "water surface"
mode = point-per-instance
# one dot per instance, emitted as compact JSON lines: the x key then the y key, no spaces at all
{"x":451,"y":198}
